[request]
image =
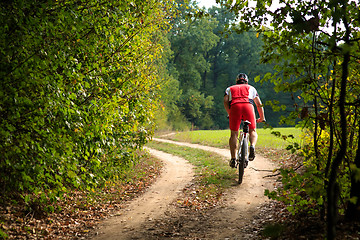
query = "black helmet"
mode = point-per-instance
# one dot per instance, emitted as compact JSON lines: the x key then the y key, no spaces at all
{"x":242,"y":76}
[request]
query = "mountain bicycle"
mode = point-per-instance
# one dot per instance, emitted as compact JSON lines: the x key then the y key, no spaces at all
{"x":242,"y":156}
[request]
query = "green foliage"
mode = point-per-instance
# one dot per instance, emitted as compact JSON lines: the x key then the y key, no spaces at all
{"x":3,"y":235}
{"x":78,"y":91}
{"x":196,"y":107}
{"x":191,"y":38}
{"x":206,"y":55}
{"x":300,"y":191}
{"x":319,"y":67}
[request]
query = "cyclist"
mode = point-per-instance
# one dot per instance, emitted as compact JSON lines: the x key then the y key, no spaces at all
{"x":238,"y":102}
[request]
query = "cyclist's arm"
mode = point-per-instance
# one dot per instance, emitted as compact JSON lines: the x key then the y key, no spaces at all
{"x":260,"y":109}
{"x":227,"y":104}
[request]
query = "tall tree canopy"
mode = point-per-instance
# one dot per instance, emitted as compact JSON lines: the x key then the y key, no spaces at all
{"x":191,"y":38}
{"x":206,"y":55}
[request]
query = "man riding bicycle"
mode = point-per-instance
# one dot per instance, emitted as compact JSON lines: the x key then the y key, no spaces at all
{"x":238,"y":101}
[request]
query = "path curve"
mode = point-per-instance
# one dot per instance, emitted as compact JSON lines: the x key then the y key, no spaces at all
{"x":242,"y":202}
{"x":176,"y":174}
{"x":245,"y":199}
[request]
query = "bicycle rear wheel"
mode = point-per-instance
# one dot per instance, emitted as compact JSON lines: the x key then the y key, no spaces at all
{"x":242,"y":159}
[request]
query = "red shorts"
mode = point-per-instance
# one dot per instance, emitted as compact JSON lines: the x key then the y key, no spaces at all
{"x":241,"y":111}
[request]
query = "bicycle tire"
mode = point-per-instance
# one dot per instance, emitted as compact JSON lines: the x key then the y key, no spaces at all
{"x":242,"y":159}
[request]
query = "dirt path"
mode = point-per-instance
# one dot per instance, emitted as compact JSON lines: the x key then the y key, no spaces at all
{"x":152,"y":216}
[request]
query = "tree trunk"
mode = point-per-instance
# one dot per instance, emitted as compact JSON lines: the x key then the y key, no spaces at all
{"x":353,"y":209}
{"x":332,"y":190}
{"x":331,"y":143}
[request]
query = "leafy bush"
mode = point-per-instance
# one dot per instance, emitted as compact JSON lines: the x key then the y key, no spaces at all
{"x":78,"y":90}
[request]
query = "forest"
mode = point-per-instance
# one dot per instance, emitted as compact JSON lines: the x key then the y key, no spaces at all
{"x":85,"y":84}
{"x":206,"y":55}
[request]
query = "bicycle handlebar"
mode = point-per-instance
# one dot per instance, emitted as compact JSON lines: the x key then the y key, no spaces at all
{"x":258,"y":121}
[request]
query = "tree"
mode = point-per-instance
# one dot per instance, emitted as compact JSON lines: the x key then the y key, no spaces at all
{"x":237,"y":52}
{"x":78,"y":91}
{"x":207,"y":53}
{"x":191,"y":38}
{"x":316,"y":61}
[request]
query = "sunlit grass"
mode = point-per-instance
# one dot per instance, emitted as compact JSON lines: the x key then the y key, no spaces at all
{"x":212,"y":168}
{"x":220,"y":138}
{"x":213,"y":174}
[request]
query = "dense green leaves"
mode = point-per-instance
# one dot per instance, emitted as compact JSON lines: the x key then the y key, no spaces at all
{"x":191,"y":39}
{"x":207,"y":54}
{"x":78,"y":90}
{"x":316,"y":48}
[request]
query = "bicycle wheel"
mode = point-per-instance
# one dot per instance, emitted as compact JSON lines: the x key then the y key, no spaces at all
{"x":242,"y":159}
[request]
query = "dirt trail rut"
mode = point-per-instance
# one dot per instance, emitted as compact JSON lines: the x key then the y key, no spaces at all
{"x":152,"y":216}
{"x":176,"y":174}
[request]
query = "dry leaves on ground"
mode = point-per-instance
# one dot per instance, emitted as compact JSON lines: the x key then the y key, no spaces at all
{"x":79,"y":211}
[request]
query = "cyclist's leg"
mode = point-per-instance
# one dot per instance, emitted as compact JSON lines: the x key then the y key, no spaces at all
{"x":233,"y":143}
{"x":250,"y":115}
{"x":234,"y":124}
{"x":253,"y":139}
{"x":253,"y":136}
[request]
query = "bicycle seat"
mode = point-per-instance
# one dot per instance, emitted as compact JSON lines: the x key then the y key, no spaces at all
{"x":247,"y":122}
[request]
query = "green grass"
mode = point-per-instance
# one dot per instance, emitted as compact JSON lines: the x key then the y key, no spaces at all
{"x":213,"y":176}
{"x":212,"y":167}
{"x":220,"y":138}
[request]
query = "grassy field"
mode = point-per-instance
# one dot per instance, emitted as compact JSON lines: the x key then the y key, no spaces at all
{"x":220,"y":138}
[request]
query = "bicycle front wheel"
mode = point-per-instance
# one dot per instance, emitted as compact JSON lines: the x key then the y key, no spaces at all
{"x":242,"y":160}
